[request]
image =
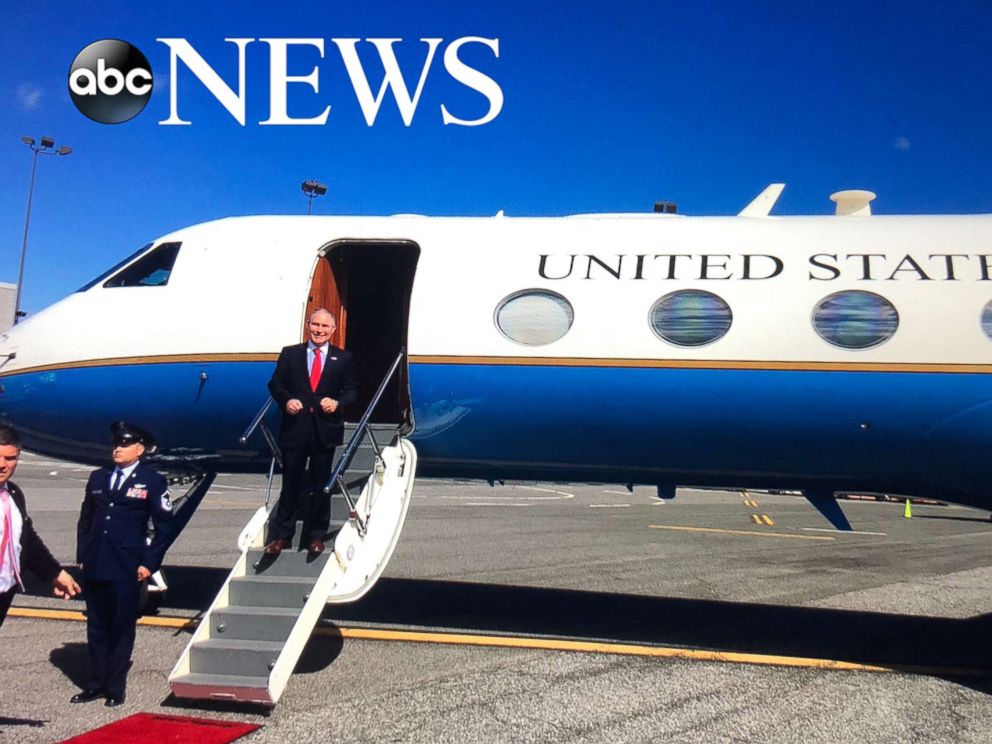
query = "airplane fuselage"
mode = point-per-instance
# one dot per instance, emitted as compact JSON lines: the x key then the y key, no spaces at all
{"x":843,"y":353}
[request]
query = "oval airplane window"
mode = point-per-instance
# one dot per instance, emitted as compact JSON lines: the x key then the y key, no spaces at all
{"x":855,"y":319}
{"x":534,"y":317}
{"x":987,"y":319}
{"x":690,"y":317}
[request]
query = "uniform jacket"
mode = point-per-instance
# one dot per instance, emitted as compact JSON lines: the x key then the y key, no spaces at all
{"x":34,"y":555}
{"x":111,"y":537}
{"x":291,"y":380}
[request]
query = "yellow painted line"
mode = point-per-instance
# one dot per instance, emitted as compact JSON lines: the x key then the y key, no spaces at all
{"x":551,"y":644}
{"x":749,"y":533}
{"x":705,"y":364}
{"x":756,"y":518}
{"x":622,"y":649}
{"x":151,"y":620}
{"x":767,"y":520}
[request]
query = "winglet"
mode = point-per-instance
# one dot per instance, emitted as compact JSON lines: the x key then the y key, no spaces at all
{"x":827,"y":505}
{"x":761,"y":205}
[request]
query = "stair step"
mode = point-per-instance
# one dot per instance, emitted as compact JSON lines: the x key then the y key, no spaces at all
{"x":240,"y":658}
{"x":298,"y":563}
{"x":252,"y":623}
{"x":221,"y":681}
{"x":270,"y":591}
{"x":335,"y":525}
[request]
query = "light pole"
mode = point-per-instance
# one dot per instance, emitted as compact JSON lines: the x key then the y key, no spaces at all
{"x":47,"y":147}
{"x":312,"y":189}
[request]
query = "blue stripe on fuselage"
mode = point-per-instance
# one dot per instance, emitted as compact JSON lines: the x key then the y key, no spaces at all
{"x":920,"y":433}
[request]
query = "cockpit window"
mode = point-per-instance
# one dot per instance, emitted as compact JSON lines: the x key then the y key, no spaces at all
{"x":113,"y":270}
{"x":151,"y":270}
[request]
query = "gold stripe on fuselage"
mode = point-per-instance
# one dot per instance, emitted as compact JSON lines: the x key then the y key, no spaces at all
{"x":522,"y":361}
{"x":738,"y":364}
{"x":136,"y":360}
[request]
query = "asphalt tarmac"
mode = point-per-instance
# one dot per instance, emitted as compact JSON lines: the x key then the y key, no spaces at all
{"x":723,"y":616}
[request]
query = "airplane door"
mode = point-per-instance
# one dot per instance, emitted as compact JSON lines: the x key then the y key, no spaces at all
{"x":367,"y":284}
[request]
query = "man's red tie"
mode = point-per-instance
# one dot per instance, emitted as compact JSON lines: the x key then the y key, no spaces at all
{"x":315,"y":370}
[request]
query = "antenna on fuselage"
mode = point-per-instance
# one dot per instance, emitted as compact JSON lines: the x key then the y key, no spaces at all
{"x":853,"y":202}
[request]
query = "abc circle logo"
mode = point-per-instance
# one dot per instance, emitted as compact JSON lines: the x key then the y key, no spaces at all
{"x":110,"y":81}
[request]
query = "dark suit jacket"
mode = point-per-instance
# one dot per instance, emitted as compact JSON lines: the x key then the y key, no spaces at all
{"x":111,"y":536}
{"x":291,"y":380}
{"x":34,"y":555}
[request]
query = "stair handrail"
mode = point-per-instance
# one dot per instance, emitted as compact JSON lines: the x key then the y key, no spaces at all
{"x":363,"y":425}
{"x":257,"y":420}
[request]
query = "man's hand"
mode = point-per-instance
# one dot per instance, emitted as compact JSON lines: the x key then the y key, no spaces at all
{"x":328,"y":405}
{"x":143,"y":573}
{"x":293,"y":407}
{"x":64,"y":586}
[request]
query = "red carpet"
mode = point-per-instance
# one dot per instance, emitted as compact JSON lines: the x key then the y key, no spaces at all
{"x":142,"y":728}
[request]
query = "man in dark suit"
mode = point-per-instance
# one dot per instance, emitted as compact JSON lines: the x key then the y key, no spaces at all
{"x":113,"y":550}
{"x":312,"y":383}
{"x":20,"y":546}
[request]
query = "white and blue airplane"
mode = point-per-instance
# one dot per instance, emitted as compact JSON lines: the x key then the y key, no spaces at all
{"x":827,"y":353}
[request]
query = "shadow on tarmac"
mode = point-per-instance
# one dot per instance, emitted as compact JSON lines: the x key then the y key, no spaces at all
{"x":72,"y":659}
{"x":29,"y":722}
{"x":903,"y":642}
{"x":953,"y":518}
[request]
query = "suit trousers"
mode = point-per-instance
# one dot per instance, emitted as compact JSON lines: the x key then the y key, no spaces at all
{"x":5,"y":599}
{"x":111,"y":616}
{"x":302,"y":495}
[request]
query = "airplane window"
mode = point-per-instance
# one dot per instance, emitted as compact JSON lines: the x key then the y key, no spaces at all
{"x":987,"y":319}
{"x":151,"y":270}
{"x":113,"y":270}
{"x":690,"y":317}
{"x":534,"y":317}
{"x":855,"y":319}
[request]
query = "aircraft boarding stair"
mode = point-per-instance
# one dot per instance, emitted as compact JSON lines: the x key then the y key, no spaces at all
{"x":248,"y":643}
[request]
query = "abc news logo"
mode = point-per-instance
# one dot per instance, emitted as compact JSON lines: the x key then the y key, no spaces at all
{"x":110,"y":81}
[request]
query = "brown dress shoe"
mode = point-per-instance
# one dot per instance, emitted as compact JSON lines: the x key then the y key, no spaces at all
{"x":277,"y":546}
{"x":316,"y":546}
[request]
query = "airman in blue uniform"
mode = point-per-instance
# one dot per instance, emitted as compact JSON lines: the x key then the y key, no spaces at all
{"x":113,"y":549}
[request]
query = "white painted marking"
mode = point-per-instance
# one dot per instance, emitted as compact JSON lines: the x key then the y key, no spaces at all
{"x":608,"y":506}
{"x":620,"y":493}
{"x":843,"y":532}
{"x":560,"y":494}
{"x":469,"y":503}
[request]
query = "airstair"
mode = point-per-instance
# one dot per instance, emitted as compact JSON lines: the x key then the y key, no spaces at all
{"x":249,"y":641}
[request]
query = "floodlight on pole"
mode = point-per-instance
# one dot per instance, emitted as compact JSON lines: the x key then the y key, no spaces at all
{"x":312,"y":189}
{"x":47,"y":147}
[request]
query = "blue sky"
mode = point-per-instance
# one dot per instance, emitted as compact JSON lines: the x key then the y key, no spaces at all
{"x":607,"y":107}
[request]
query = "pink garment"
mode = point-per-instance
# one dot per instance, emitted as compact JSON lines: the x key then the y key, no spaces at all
{"x":7,"y":550}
